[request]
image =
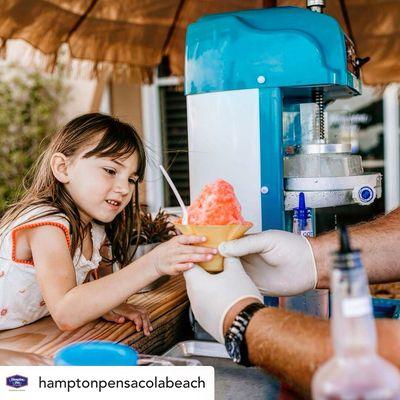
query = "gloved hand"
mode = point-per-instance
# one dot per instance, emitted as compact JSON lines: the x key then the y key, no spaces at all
{"x":280,"y":263}
{"x":211,"y":296}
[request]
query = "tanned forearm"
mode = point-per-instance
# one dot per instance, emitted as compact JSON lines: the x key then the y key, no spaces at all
{"x":288,"y":345}
{"x":378,"y":241}
{"x":292,"y":346}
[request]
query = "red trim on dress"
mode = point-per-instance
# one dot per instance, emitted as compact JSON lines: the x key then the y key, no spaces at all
{"x":34,"y":225}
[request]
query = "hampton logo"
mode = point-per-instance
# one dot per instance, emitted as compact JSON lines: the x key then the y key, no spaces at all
{"x":17,"y":381}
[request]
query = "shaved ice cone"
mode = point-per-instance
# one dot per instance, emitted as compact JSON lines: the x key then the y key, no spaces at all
{"x":215,"y":214}
{"x":215,"y":235}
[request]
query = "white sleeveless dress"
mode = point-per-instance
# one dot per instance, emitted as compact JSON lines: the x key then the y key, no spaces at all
{"x":21,"y":301}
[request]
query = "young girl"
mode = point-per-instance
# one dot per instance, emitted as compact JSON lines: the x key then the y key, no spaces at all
{"x":83,"y":194}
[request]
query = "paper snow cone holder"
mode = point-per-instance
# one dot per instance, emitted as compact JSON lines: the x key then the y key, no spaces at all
{"x":215,"y":235}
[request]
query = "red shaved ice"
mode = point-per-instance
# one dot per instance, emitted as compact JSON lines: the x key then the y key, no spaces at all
{"x":216,"y":205}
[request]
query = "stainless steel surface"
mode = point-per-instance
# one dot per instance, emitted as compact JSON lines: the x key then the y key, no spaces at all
{"x":232,"y":381}
{"x":322,"y":165}
{"x":198,"y":348}
{"x":322,"y":199}
{"x":325,"y":148}
{"x":316,"y":5}
{"x":147,"y":359}
{"x":319,"y":199}
{"x":332,"y":183}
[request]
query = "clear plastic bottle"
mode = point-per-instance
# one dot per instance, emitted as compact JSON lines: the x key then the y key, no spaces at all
{"x":312,"y":302}
{"x":356,"y":371}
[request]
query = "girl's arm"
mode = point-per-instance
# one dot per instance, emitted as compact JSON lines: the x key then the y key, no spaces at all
{"x":124,"y":311}
{"x":72,"y":306}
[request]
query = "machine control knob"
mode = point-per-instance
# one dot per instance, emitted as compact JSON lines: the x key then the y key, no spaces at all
{"x":364,"y":194}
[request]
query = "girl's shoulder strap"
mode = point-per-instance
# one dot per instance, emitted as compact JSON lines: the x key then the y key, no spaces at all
{"x":39,"y":214}
{"x":31,"y":218}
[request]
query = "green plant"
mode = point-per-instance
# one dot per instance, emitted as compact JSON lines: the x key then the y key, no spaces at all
{"x":29,"y":107}
{"x":153,"y":230}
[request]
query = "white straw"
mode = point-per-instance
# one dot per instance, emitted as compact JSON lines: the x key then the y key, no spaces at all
{"x":177,"y":195}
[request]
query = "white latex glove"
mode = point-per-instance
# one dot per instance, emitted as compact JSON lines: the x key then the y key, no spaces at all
{"x":280,"y":263}
{"x":212,"y":296}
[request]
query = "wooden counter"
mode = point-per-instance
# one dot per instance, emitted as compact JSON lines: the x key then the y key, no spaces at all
{"x":168,"y":308}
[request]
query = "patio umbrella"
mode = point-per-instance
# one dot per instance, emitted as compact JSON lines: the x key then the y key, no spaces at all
{"x":130,"y":37}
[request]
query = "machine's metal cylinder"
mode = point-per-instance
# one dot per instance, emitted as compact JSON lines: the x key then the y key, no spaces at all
{"x":316,"y":5}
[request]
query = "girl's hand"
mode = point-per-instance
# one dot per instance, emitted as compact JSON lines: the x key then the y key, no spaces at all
{"x":138,"y":315}
{"x":177,"y":255}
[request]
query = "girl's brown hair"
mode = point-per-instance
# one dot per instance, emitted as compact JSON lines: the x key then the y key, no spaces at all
{"x":117,"y":139}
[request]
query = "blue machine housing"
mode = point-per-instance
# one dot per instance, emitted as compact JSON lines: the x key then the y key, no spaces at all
{"x":294,"y":50}
{"x":285,"y":53}
{"x":289,"y":46}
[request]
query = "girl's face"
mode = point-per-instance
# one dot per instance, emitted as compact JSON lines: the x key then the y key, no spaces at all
{"x":101,"y":187}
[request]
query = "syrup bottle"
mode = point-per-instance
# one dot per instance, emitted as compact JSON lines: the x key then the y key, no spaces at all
{"x":356,"y":371}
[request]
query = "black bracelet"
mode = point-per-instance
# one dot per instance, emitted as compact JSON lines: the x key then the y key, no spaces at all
{"x":235,"y":340}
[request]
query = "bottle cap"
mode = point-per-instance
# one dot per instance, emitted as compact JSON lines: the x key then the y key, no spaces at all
{"x":346,"y":257}
{"x":302,"y":212}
